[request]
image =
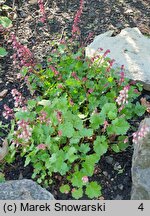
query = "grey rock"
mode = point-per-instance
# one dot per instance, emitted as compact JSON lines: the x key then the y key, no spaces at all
{"x":129,"y":48}
{"x":141,"y":166}
{"x":23,"y":190}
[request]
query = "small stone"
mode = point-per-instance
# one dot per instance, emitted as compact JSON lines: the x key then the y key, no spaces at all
{"x":117,"y":166}
{"x":105,"y":173}
{"x":120,"y":186}
{"x":128,"y":11}
{"x":3,"y":93}
{"x":109,"y":159}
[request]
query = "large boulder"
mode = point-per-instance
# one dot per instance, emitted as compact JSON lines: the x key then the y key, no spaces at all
{"x":129,"y":48}
{"x":141,"y":165}
{"x":23,"y":190}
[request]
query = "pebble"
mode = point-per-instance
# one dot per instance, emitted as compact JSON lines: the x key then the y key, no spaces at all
{"x":109,"y":159}
{"x":120,"y":186}
{"x":105,"y":173}
{"x":128,"y":11}
{"x":117,"y":166}
{"x":3,"y":93}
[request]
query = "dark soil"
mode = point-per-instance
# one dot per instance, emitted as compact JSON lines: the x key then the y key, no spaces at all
{"x":114,"y":170}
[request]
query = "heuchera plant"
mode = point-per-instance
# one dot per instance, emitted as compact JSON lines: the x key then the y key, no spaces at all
{"x":81,"y":108}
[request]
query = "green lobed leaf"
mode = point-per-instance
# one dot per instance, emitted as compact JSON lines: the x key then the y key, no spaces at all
{"x":67,"y":129}
{"x":93,"y":190}
{"x":89,"y":164}
{"x":139,"y":109}
{"x":100,"y":145}
{"x":77,"y":193}
{"x":76,"y":179}
{"x":115,"y":148}
{"x":86,"y":132}
{"x":96,"y":120}
{"x":110,"y":110}
{"x":65,"y":188}
{"x":84,"y":148}
{"x":21,"y":115}
{"x":119,"y":126}
{"x":70,"y":155}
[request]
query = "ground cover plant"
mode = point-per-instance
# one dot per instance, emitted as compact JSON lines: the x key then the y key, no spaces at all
{"x":80,"y":109}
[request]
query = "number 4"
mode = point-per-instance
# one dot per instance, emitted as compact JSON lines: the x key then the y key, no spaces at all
{"x":141,"y":207}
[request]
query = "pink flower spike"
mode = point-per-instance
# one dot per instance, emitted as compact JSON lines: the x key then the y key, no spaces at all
{"x":106,"y":53}
{"x":75,"y":28}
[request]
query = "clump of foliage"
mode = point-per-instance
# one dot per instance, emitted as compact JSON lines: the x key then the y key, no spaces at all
{"x":80,"y":109}
{"x":83,"y":109}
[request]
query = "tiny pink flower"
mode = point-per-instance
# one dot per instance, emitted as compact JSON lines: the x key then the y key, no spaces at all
{"x":71,"y":102}
{"x":84,"y":79}
{"x":54,"y":70}
{"x":90,"y":90}
{"x":59,"y":116}
{"x":137,"y":136}
{"x":105,"y":125}
{"x":59,"y":133}
{"x":136,"y":91}
{"x":126,"y":140}
{"x":8,"y":112}
{"x":66,"y":192}
{"x":41,"y":146}
{"x":60,"y":86}
{"x":73,"y":190}
{"x":100,"y":49}
{"x":73,"y":74}
{"x":85,"y":179}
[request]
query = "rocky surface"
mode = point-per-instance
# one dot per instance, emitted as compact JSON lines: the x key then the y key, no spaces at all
{"x":141,"y":166}
{"x":129,"y":48}
{"x":23,"y":190}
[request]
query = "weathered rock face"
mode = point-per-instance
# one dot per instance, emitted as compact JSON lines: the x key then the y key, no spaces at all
{"x":141,"y":166}
{"x":23,"y":190}
{"x":129,"y":48}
